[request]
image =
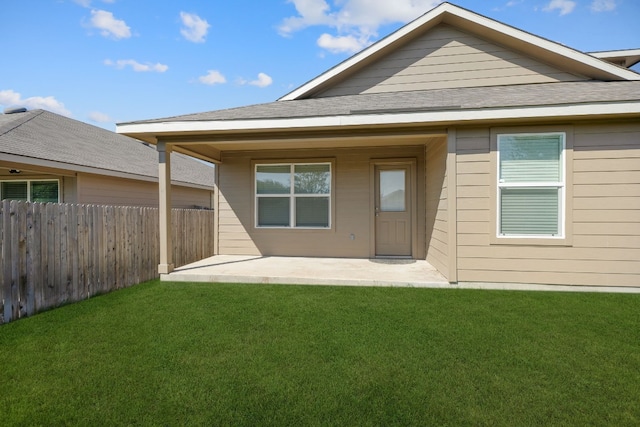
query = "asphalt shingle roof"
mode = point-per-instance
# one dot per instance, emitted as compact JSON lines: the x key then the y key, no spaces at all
{"x":545,"y":94}
{"x":40,"y":134}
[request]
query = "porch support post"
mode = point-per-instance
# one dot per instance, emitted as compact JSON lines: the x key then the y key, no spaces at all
{"x":164,"y":184}
{"x":216,"y":211}
{"x":452,"y":207}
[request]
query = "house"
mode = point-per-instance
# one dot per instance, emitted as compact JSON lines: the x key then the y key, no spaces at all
{"x":47,"y":157}
{"x":494,"y":154}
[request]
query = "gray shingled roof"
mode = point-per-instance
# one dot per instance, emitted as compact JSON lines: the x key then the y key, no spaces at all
{"x":428,"y":100}
{"x":40,"y":134}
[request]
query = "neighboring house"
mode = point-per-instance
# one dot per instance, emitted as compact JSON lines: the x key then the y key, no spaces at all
{"x":494,"y":154}
{"x":45,"y":157}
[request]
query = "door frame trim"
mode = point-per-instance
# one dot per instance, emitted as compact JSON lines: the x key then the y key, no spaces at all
{"x":413,"y":199}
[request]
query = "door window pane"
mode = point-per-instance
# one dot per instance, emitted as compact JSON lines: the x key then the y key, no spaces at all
{"x":44,"y":192}
{"x":392,"y":191}
{"x":312,"y":212}
{"x":273,"y":211}
{"x":274,"y":179}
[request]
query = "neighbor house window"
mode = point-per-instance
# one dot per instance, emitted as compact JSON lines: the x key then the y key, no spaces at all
{"x":31,"y":191}
{"x":294,"y":195}
{"x":531,"y":185}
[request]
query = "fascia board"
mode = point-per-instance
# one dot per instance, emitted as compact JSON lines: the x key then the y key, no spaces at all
{"x":549,"y":45}
{"x":435,"y":16}
{"x":630,"y":56}
{"x":611,"y":53}
{"x":426,"y":118}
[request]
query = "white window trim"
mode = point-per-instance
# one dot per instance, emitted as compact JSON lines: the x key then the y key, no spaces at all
{"x":29,"y":181}
{"x":562,"y":193}
{"x":292,"y":195}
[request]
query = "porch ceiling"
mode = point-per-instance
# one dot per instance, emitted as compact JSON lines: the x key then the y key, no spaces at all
{"x":209,"y":146}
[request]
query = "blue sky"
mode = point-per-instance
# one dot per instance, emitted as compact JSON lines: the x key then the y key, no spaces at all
{"x":108,"y":61}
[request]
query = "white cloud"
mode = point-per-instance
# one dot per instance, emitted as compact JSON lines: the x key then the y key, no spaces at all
{"x":87,"y":3}
{"x":212,"y":77}
{"x":355,"y":21}
{"x":108,"y":25}
{"x":99,"y":117}
{"x":564,"y":6}
{"x":510,"y":3}
{"x":195,"y":28}
{"x":312,"y":12}
{"x":263,"y":80}
{"x":137,"y":66}
{"x":603,"y":5}
{"x":340,"y":44}
{"x":10,"y":98}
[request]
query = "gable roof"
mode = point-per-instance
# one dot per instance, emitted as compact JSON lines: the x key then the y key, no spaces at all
{"x":48,"y":139}
{"x":535,"y":46}
{"x":600,"y":90}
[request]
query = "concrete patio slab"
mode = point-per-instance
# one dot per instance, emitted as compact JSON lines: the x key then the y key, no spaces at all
{"x":310,"y":271}
{"x":345,"y":272}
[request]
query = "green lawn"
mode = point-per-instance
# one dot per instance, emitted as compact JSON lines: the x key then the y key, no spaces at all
{"x":210,"y":354}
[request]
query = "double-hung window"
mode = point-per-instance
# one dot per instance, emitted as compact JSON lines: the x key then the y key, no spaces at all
{"x":531,"y":185}
{"x":293,"y":195}
{"x":31,"y":191}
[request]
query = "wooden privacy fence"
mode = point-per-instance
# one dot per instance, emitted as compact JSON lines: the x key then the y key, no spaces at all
{"x":53,"y":253}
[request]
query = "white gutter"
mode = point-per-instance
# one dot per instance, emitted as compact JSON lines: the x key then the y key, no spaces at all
{"x":427,"y":118}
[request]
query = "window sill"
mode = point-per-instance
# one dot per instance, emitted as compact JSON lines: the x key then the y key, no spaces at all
{"x":532,"y":241}
{"x":293,"y":229}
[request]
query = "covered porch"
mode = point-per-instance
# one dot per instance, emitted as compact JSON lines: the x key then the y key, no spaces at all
{"x":356,"y":228}
{"x":310,"y":271}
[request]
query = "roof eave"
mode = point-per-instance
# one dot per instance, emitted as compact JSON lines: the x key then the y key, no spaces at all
{"x":425,"y":118}
{"x":627,"y":57}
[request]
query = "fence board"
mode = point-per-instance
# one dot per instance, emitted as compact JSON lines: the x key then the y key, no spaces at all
{"x":53,"y":254}
{"x":6,"y":258}
{"x":2,"y":263}
{"x":33,"y":260}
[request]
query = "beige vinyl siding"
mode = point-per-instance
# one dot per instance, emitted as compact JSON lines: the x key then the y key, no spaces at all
{"x":189,"y":197}
{"x":69,"y":189}
{"x":104,"y":190}
{"x":437,"y":206}
{"x":605,"y":195}
{"x":351,"y":204}
{"x":446,"y":57}
{"x":234,"y":207}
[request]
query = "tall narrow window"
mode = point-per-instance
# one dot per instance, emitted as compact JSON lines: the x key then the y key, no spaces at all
{"x":293,"y":195}
{"x":531,"y":185}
